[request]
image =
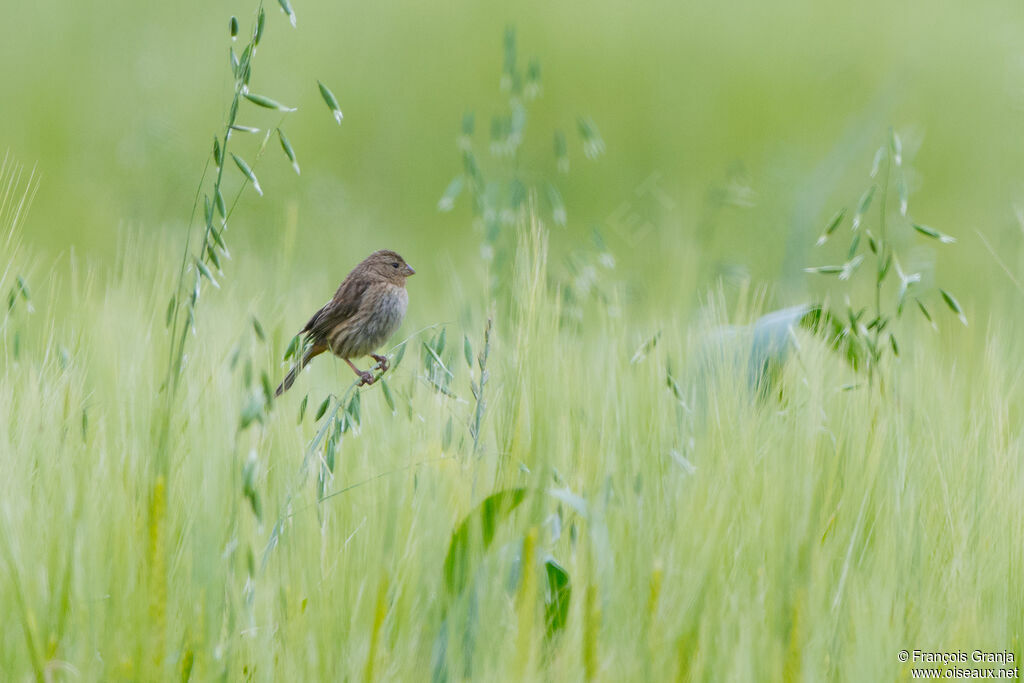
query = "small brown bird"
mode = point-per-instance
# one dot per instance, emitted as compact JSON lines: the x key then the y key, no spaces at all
{"x":367,"y":309}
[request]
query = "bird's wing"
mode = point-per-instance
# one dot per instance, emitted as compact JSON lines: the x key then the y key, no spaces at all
{"x":316,"y":317}
{"x":345,"y":303}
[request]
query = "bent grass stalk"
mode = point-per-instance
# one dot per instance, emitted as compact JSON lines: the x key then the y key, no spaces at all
{"x":183,"y":304}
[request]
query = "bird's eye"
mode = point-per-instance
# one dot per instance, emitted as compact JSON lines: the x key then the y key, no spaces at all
{"x":394,"y":265}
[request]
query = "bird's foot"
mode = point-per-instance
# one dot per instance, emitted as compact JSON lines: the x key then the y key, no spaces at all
{"x":382,"y":362}
{"x":366,"y":378}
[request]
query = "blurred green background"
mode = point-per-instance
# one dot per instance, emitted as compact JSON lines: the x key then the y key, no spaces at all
{"x":815,"y":534}
{"x":755,"y":120}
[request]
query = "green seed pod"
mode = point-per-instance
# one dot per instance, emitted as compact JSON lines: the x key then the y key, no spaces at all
{"x":933,"y":233}
{"x":266,"y":102}
{"x":331,"y":101}
{"x":954,"y":305}
{"x":245,"y":169}
{"x":287,"y":7}
{"x":323,"y":408}
{"x":286,"y":145}
{"x":261,"y":19}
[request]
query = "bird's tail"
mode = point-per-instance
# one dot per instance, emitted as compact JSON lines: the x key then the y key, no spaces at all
{"x":289,"y":379}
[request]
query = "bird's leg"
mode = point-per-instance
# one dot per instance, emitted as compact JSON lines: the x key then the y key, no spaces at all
{"x":364,"y":376}
{"x":382,"y":362}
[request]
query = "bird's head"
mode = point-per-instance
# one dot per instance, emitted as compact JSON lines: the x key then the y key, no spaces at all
{"x":387,"y":265}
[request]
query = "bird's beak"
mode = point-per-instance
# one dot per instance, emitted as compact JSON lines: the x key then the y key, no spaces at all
{"x":408,"y":270}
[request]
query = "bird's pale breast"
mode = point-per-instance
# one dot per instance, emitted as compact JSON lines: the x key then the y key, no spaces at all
{"x":380,"y":314}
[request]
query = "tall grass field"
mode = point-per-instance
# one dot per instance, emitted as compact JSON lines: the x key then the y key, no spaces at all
{"x":711,"y":369}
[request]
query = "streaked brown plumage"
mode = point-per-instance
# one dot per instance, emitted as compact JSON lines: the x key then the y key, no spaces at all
{"x":367,"y":309}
